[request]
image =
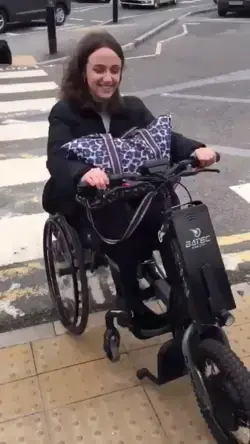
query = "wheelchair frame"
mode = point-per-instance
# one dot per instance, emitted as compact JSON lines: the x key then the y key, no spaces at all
{"x":199,"y":323}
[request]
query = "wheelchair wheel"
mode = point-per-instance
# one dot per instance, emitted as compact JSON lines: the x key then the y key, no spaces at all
{"x":64,"y":265}
{"x":227,"y":382}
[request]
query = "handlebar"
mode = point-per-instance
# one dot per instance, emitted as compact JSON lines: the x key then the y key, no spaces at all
{"x":152,"y":175}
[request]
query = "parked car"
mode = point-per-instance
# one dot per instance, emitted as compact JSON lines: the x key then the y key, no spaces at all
{"x":225,"y":6}
{"x":151,"y":3}
{"x":24,"y":11}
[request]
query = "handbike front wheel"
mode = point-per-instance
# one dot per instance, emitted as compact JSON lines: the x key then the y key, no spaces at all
{"x":227,"y":382}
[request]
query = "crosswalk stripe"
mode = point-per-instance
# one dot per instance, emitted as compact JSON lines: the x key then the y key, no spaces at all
{"x":27,"y":87}
{"x":26,"y":105}
{"x":22,"y":74}
{"x":24,"y":131}
{"x":21,"y":171}
{"x":21,"y":238}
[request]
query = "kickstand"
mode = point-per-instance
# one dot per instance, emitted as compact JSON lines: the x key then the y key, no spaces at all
{"x":170,"y":363}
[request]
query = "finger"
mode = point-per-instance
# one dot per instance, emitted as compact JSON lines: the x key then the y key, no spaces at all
{"x":101,"y":183}
{"x":90,"y":181}
{"x":106,"y":179}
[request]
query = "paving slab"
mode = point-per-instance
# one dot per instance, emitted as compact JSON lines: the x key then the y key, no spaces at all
{"x":62,"y":390}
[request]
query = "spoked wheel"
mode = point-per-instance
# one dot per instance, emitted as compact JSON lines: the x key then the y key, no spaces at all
{"x":66,"y":276}
{"x":227,"y":383}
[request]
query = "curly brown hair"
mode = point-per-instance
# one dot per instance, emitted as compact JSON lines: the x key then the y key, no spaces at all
{"x":73,"y":87}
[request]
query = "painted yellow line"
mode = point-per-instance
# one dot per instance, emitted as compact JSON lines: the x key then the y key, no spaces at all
{"x":20,"y":271}
{"x":14,"y":294}
{"x":23,"y":60}
{"x":233,"y":260}
{"x":233,"y":239}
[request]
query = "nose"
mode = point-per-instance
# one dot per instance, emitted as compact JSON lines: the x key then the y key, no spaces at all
{"x":108,"y":77}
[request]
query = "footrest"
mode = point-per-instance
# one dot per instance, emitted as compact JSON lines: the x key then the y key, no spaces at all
{"x":162,"y":290}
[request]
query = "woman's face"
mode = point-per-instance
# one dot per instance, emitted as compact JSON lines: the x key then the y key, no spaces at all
{"x":103,"y":73}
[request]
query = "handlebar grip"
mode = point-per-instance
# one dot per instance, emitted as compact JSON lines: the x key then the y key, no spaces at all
{"x":217,"y":157}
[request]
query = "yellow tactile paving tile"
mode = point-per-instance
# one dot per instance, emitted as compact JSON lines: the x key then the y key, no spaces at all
{"x":83,"y":381}
{"x":239,"y":338}
{"x":123,"y":417}
{"x":174,"y":404}
{"x":65,"y":350}
{"x":176,"y":407}
{"x":29,"y":430}
{"x":18,"y":363}
{"x":19,"y":399}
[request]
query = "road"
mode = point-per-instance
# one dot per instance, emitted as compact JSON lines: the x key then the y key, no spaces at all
{"x":194,"y":70}
{"x":133,"y":22}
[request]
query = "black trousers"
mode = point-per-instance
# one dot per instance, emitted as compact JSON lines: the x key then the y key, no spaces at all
{"x":129,"y":253}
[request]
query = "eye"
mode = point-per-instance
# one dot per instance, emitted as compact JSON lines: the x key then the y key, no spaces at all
{"x":115,"y":69}
{"x":99,"y":69}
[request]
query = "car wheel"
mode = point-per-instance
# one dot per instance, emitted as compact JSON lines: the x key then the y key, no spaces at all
{"x":60,"y":14}
{"x":3,"y":21}
{"x":156,"y":4}
{"x":222,"y":11}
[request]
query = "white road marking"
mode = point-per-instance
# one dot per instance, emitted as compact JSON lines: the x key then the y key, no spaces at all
{"x":21,"y":171}
{"x":27,"y":87}
{"x":22,"y":74}
{"x":25,"y":131}
{"x":21,"y":238}
{"x":242,"y":190}
{"x":159,"y":44}
{"x":26,"y":105}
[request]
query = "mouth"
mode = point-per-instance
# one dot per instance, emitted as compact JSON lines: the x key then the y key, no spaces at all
{"x":107,"y":88}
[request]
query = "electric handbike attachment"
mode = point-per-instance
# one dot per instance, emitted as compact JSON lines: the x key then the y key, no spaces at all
{"x":194,"y":286}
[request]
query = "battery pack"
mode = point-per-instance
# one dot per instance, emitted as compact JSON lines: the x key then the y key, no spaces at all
{"x":207,"y":280}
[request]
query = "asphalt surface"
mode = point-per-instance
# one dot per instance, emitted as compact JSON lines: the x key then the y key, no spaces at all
{"x":132,"y":23}
{"x":202,"y":67}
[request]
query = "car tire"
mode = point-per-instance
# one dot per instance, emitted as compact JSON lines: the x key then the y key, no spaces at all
{"x":125,"y":6}
{"x":156,"y":4}
{"x":222,"y":10}
{"x":60,"y":14}
{"x":3,"y":21}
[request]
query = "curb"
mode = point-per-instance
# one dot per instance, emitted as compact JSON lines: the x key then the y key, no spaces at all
{"x":128,"y":46}
{"x":201,"y":11}
{"x":152,"y":32}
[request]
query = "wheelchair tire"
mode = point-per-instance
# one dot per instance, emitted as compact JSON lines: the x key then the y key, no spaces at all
{"x":224,"y":423}
{"x":77,"y":322}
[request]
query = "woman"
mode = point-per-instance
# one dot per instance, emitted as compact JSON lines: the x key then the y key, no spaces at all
{"x":90,"y":103}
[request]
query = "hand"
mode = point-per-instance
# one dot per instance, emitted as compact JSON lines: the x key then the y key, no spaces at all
{"x":96,"y":178}
{"x":205,"y":156}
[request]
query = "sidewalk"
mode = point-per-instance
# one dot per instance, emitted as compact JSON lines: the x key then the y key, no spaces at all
{"x":59,"y":389}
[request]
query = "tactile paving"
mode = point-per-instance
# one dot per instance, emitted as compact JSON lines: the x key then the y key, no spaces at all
{"x":174,"y":404}
{"x":176,"y":407}
{"x":19,"y":399}
{"x":62,"y":351}
{"x":242,"y":311}
{"x":119,"y":418}
{"x":18,"y":363}
{"x":85,"y":381}
{"x":239,"y":338}
{"x":29,"y":430}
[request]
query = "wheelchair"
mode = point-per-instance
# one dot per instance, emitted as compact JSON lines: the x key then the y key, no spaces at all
{"x":199,"y":299}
